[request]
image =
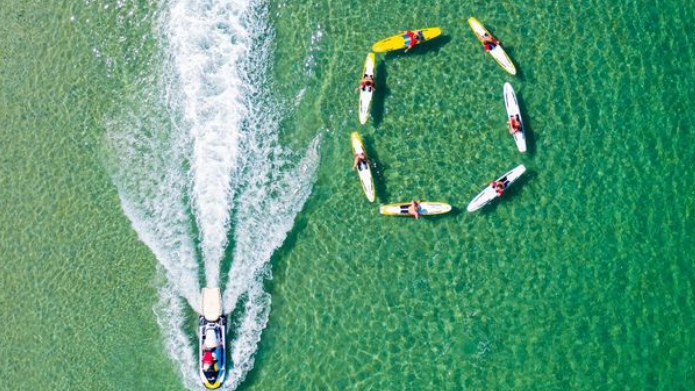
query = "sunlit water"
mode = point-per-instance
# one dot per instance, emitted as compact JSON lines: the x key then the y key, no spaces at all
{"x":151,"y":148}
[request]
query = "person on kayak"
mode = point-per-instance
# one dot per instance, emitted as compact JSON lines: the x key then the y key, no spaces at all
{"x":514,"y":125}
{"x":499,"y":186}
{"x":208,"y":359}
{"x":413,"y":38}
{"x":367,"y":83}
{"x":414,"y":209}
{"x":489,"y":43}
{"x":360,"y":161}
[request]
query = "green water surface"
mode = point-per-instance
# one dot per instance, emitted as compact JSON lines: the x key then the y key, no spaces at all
{"x":580,"y":278}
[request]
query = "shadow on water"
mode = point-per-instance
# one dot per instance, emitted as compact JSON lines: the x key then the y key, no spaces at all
{"x":380,"y":94}
{"x":528,"y":128}
{"x":421,"y":49}
{"x":511,"y":193}
{"x":519,"y":71}
{"x":377,"y":170}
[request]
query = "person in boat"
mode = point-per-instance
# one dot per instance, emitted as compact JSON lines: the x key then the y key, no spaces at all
{"x":413,"y":38}
{"x":367,"y":83}
{"x":489,"y":43}
{"x":360,"y":161}
{"x":208,"y":359}
{"x":514,"y":124}
{"x":499,"y":186}
{"x":414,"y":209}
{"x":209,"y":348}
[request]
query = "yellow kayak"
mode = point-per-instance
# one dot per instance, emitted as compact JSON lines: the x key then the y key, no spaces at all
{"x":398,"y":42}
{"x":497,"y":53}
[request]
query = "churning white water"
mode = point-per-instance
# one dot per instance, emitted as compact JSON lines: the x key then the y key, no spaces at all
{"x":200,"y":145}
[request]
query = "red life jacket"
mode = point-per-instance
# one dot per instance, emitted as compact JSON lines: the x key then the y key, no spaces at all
{"x":207,"y":358}
{"x":412,"y":36}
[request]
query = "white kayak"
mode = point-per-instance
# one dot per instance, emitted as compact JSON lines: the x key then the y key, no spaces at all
{"x":513,"y":112}
{"x":363,"y":169}
{"x":490,"y":193}
{"x":367,"y":93}
{"x":498,"y":52}
{"x":426,"y":209}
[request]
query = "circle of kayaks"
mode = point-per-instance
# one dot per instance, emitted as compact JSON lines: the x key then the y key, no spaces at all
{"x":489,"y":193}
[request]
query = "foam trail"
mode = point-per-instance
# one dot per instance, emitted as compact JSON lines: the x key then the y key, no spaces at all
{"x":146,"y":157}
{"x":207,"y":41}
{"x":209,"y":131}
{"x":266,"y":214}
{"x":272,"y":191}
{"x":171,"y":320}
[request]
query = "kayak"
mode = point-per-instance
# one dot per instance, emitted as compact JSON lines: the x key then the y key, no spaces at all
{"x":513,"y":112}
{"x":490,"y":193}
{"x":212,"y":331}
{"x":363,"y":169}
{"x":426,"y":209}
{"x":398,"y":42}
{"x":367,"y":93}
{"x":497,"y":53}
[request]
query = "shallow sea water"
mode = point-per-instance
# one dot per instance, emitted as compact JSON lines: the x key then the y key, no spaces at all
{"x":581,"y":277}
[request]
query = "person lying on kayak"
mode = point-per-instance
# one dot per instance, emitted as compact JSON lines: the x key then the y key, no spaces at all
{"x":414,"y":209}
{"x":489,"y":43}
{"x":367,"y":83}
{"x":499,"y":186}
{"x":360,"y":161}
{"x":413,"y":38}
{"x":514,"y":125}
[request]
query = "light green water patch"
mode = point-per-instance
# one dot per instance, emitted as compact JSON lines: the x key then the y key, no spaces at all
{"x":77,"y":285}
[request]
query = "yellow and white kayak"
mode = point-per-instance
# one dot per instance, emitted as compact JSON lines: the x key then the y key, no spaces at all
{"x":426,"y":209}
{"x":497,"y":53}
{"x":367,"y":92}
{"x":363,"y":169}
{"x":400,"y":41}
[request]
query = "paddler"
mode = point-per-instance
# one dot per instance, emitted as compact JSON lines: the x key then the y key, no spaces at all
{"x":414,"y":209}
{"x":210,"y":345}
{"x":413,"y":38}
{"x":499,"y":186}
{"x":489,"y":43}
{"x":514,"y":125}
{"x":208,"y":359}
{"x":367,"y":83}
{"x":360,"y":160}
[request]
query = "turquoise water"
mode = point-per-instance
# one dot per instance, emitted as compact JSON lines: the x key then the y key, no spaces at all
{"x":581,"y":277}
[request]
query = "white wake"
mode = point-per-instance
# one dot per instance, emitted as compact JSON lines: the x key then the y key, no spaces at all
{"x":197,"y":160}
{"x":208,"y":42}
